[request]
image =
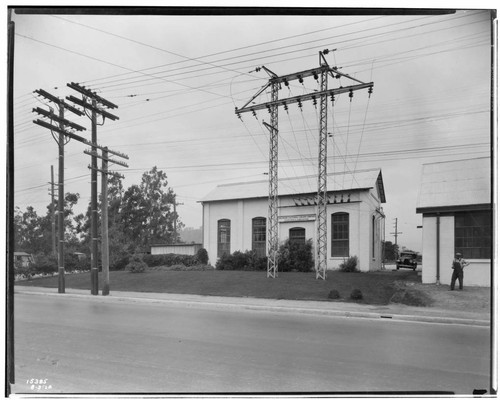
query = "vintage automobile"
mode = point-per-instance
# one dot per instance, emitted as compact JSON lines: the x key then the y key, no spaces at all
{"x":407,"y":259}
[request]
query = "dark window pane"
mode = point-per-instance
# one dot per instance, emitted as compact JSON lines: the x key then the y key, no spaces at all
{"x":473,"y":234}
{"x":340,"y":235}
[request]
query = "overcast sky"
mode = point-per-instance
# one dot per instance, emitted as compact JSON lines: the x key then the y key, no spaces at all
{"x":177,"y":80}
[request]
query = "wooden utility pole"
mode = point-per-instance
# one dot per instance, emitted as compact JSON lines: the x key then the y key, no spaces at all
{"x":104,"y":224}
{"x":64,"y":124}
{"x":175,"y":217}
{"x":52,"y":211}
{"x":92,"y":106}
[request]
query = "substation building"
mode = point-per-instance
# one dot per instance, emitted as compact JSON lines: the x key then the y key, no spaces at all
{"x":235,"y":216}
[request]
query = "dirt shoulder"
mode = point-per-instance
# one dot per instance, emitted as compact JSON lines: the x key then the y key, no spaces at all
{"x":471,"y":299}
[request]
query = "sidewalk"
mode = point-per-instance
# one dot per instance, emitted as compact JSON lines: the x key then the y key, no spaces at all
{"x":325,"y":308}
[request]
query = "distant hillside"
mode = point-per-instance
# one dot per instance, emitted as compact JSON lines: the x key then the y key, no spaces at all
{"x":191,"y":235}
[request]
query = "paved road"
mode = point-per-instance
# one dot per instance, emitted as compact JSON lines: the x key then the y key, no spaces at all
{"x":93,"y":345}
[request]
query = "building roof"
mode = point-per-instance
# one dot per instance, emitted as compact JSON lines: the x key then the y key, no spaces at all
{"x":455,"y":185}
{"x":336,"y":182}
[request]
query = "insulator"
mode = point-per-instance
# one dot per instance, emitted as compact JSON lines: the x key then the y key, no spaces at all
{"x":337,"y":76}
{"x":300,"y":104}
{"x":351,"y":94}
{"x":370,"y":91}
{"x":300,"y":79}
{"x":286,"y":83}
{"x":239,"y":116}
{"x":285,"y":106}
{"x":268,"y":109}
{"x":257,"y":69}
{"x":326,"y":51}
{"x":332,"y":97}
{"x":254,"y":114}
{"x":315,"y":75}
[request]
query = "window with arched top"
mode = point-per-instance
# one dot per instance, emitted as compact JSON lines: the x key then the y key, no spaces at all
{"x":259,"y":236}
{"x":340,"y":234}
{"x":223,"y":237}
{"x":297,"y":235}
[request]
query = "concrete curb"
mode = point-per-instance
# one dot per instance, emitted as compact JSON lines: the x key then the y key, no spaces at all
{"x":250,"y":304}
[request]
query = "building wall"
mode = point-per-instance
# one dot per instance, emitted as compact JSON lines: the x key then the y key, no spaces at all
{"x":187,"y":249}
{"x":241,"y":212}
{"x":476,"y":274}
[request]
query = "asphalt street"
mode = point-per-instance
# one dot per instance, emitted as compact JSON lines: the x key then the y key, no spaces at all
{"x":65,"y":344}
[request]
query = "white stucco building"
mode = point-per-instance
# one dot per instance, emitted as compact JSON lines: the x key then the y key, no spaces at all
{"x":455,"y":203}
{"x":235,"y":216}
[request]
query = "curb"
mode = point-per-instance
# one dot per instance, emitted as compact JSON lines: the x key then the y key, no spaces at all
{"x":227,"y":305}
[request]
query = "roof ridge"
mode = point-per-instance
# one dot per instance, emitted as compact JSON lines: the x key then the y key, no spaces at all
{"x":302,"y":177}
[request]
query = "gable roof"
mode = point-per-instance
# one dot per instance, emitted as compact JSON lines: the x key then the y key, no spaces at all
{"x":455,"y":185}
{"x":359,"y":180}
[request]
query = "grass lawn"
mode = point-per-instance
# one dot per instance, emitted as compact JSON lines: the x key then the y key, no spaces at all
{"x":376,"y":287}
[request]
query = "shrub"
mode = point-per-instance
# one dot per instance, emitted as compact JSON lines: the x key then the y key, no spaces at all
{"x":202,"y":256}
{"x":136,"y":264}
{"x":295,"y":257}
{"x":120,"y":263}
{"x":156,"y":260}
{"x":334,"y":294}
{"x":356,"y":294}
{"x":248,"y":261}
{"x":349,"y":265}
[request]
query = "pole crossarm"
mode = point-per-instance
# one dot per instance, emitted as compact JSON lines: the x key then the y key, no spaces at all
{"x":308,"y":96}
{"x":59,"y":102}
{"x":56,"y":118}
{"x":95,"y":154}
{"x":88,"y":93}
{"x":90,"y":107}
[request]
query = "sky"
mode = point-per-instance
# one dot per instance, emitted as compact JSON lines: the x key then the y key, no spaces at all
{"x":177,"y":79}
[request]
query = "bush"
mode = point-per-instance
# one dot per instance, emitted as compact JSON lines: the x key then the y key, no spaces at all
{"x":248,"y":261}
{"x":202,"y":256}
{"x":356,"y":294}
{"x":334,"y":294}
{"x":156,"y":260}
{"x":120,"y":263}
{"x":136,"y":264}
{"x":295,"y":257}
{"x":349,"y":265}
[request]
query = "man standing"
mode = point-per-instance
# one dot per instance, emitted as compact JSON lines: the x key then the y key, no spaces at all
{"x":458,"y":266}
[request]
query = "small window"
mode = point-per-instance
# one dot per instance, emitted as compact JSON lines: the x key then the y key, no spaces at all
{"x":340,"y":235}
{"x":259,"y":236}
{"x":223,"y":237}
{"x":297,"y":235}
{"x":473,"y":234}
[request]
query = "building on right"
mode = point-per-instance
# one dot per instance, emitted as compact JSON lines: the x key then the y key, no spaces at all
{"x":456,"y":207}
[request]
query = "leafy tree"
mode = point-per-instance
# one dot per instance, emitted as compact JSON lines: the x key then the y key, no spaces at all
{"x":391,"y":251}
{"x":147,"y":210}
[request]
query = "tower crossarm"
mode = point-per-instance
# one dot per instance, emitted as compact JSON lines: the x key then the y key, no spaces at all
{"x":304,"y":97}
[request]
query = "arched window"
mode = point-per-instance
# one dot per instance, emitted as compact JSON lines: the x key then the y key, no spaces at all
{"x":223,"y":237}
{"x":340,"y":234}
{"x":259,"y":236}
{"x":297,"y":235}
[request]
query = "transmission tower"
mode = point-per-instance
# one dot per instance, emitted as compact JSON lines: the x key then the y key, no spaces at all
{"x":274,"y":84}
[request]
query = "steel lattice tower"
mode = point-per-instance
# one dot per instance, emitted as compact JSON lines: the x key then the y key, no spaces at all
{"x":320,"y":260}
{"x":272,"y":106}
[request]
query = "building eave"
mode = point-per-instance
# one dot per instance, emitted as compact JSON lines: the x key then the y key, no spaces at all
{"x":454,"y":208}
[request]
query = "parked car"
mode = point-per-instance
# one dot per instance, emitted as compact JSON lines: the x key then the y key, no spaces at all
{"x":407,"y":259}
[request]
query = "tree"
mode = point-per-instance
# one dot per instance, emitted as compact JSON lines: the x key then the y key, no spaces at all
{"x":146,"y":213}
{"x":33,"y":233}
{"x":391,"y":251}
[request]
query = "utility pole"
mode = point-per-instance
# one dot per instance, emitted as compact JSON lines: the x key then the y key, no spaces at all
{"x":88,"y":95}
{"x":104,"y":224}
{"x":274,"y":84}
{"x":396,"y":233}
{"x":64,"y":124}
{"x":104,"y":207}
{"x":52,"y":211}
{"x":175,"y":216}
